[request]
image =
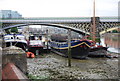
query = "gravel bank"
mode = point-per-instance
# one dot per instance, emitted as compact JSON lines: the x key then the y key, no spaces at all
{"x":52,"y":66}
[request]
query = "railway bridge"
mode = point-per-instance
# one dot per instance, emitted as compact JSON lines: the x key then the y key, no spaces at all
{"x":78,"y":24}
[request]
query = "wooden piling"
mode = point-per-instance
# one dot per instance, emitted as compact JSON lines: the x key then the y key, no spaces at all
{"x":69,"y":47}
{"x":47,"y":40}
{"x":104,"y":36}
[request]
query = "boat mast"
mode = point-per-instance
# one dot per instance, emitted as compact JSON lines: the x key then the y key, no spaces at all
{"x":94,"y":23}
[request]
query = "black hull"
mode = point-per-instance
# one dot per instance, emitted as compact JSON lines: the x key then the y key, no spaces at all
{"x":76,"y":52}
{"x":36,"y":50}
{"x":98,"y":51}
{"x":17,"y":44}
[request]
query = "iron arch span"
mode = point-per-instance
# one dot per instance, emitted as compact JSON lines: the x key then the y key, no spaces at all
{"x":54,"y":25}
{"x":109,"y":29}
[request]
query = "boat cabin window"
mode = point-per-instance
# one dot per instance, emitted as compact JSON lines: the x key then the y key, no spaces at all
{"x":35,"y":37}
{"x":32,"y":38}
{"x":40,"y":37}
{"x":17,"y":38}
{"x":11,"y":37}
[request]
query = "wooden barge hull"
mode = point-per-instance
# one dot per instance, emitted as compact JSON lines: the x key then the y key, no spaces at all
{"x":81,"y":50}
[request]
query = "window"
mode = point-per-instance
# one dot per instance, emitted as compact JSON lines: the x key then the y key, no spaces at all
{"x":11,"y":37}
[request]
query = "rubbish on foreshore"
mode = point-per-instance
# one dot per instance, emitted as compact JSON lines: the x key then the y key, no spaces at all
{"x":30,"y":55}
{"x":111,"y":56}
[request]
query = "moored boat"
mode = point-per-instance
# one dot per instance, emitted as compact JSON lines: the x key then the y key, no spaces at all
{"x":15,"y":40}
{"x":79,"y":48}
{"x":35,"y":44}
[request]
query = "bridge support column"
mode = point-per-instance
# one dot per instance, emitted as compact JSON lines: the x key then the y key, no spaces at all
{"x":95,"y":27}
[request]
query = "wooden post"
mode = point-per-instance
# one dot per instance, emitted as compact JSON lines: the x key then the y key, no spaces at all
{"x":105,"y":36}
{"x":28,"y":29}
{"x":47,"y":39}
{"x":69,"y":47}
{"x":3,"y":42}
{"x":37,"y":52}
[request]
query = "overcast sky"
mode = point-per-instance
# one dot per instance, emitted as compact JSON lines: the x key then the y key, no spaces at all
{"x":61,"y":8}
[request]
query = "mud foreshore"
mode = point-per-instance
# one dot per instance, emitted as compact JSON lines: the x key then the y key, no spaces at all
{"x":54,"y":67}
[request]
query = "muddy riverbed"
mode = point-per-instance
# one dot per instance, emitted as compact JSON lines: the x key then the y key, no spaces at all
{"x":54,"y":67}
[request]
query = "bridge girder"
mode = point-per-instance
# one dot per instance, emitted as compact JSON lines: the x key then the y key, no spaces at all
{"x":81,"y":24}
{"x":49,"y":24}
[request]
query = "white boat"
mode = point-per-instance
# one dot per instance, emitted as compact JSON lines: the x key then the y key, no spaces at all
{"x":15,"y":40}
{"x":35,"y":44}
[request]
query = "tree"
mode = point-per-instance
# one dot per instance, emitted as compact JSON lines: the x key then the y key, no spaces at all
{"x":14,"y":30}
{"x":7,"y":31}
{"x":114,"y":31}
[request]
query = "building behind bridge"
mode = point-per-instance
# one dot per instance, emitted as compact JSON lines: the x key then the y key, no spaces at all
{"x":9,"y":14}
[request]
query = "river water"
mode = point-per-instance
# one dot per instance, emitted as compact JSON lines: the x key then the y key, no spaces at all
{"x":112,"y":41}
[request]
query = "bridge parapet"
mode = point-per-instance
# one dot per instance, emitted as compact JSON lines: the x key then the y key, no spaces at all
{"x":102,"y":19}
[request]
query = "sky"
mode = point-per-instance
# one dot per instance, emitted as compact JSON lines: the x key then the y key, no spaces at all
{"x":61,"y":8}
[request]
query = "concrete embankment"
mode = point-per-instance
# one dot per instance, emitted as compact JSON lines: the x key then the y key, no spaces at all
{"x":14,"y":63}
